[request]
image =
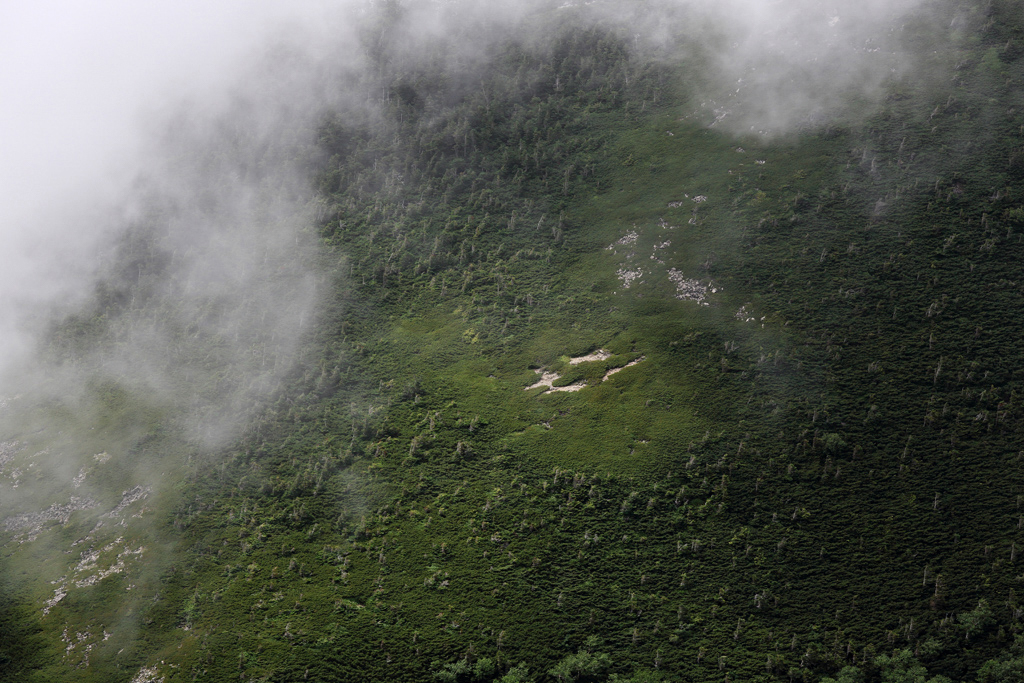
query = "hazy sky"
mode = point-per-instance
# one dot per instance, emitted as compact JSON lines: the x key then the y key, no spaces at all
{"x":81,"y":85}
{"x":76,"y":77}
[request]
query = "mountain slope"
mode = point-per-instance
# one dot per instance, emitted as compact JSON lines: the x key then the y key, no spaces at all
{"x":789,"y":440}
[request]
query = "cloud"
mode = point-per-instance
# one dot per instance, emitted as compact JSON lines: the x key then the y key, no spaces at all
{"x":780,"y":66}
{"x":771,"y":67}
{"x":177,"y":129}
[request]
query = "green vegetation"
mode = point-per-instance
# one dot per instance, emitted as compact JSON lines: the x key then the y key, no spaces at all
{"x":809,"y":470}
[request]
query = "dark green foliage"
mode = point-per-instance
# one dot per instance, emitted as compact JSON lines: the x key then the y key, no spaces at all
{"x":848,"y":674}
{"x":483,"y":670}
{"x":20,"y":640}
{"x":901,"y":667}
{"x":817,"y":476}
{"x":585,"y":665}
{"x":1009,"y":666}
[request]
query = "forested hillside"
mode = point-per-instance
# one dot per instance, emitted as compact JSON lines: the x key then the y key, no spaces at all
{"x":596,"y":388}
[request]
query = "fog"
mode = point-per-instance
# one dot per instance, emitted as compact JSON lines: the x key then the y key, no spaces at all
{"x":170,"y":128}
{"x":79,"y":84}
{"x":114,"y":108}
{"x":801,"y":64}
{"x":773,"y":67}
{"x":157,"y":213}
{"x":159,"y":270}
{"x":156,"y":201}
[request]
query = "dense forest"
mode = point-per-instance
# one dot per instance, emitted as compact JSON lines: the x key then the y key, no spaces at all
{"x":595,"y":388}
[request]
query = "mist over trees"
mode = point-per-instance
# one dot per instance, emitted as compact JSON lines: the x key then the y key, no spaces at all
{"x":650,"y":341}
